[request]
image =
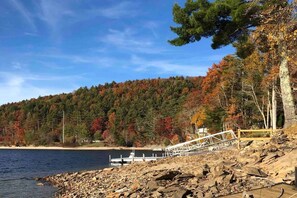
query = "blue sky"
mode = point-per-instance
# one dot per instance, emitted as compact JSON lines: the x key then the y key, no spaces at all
{"x":53,"y":46}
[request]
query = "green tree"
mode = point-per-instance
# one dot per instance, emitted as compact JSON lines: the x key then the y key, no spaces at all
{"x":233,"y":21}
{"x":224,"y":20}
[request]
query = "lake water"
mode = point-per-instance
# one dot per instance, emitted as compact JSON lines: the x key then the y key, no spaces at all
{"x":18,"y":168}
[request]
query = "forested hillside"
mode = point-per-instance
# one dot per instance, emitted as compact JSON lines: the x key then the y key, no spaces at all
{"x":131,"y":113}
{"x":235,"y":93}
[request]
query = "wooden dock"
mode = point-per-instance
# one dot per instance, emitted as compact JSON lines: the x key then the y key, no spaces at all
{"x":132,"y":158}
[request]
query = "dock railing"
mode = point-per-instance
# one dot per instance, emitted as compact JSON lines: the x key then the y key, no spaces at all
{"x":255,"y":134}
{"x":212,"y":141}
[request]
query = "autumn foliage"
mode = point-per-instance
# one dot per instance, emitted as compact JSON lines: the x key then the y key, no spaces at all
{"x":130,"y":113}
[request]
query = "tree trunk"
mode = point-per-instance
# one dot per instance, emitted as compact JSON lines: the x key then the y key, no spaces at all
{"x":274,"y":107}
{"x":268,"y":111}
{"x":286,"y":93}
{"x":261,"y":109}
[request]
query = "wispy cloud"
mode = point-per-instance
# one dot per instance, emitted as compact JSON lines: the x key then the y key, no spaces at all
{"x":21,"y":86}
{"x":17,"y":65}
{"x":166,"y":67}
{"x":80,"y":59}
{"x":118,"y":10}
{"x":24,"y":12}
{"x":130,"y":39}
{"x":53,"y":13}
{"x":152,"y":26}
{"x":56,"y":14}
{"x":8,"y":77}
{"x":31,"y":34}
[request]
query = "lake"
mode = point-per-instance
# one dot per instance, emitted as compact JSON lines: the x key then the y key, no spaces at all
{"x":18,"y":168}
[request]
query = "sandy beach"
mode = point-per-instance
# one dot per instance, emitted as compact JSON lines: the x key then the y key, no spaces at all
{"x":75,"y":148}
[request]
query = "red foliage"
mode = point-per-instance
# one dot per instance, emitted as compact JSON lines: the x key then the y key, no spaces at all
{"x":19,"y":133}
{"x":174,"y":139}
{"x":131,"y":130}
{"x":98,"y":125}
{"x":105,"y":134}
{"x":164,"y":127}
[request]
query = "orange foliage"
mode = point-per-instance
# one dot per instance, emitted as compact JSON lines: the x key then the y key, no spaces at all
{"x":174,"y":139}
{"x":199,"y":117}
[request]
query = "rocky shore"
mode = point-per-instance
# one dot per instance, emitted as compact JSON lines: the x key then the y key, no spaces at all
{"x":218,"y":173}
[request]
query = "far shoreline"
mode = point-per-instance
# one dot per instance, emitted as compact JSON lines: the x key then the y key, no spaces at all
{"x":80,"y":148}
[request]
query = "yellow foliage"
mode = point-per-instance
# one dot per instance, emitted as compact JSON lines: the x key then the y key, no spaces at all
{"x":199,"y":117}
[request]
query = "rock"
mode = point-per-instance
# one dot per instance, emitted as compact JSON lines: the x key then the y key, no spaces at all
{"x":219,"y":170}
{"x":170,"y":189}
{"x":273,"y":149}
{"x":210,"y":183}
{"x":264,"y":154}
{"x":271,"y":156}
{"x":176,"y":191}
{"x":199,"y":194}
{"x":214,"y":190}
{"x":247,"y":195}
{"x":134,"y":195}
{"x":208,"y":195}
{"x":152,"y":185}
{"x":40,"y":184}
{"x":290,"y":178}
{"x":245,"y":143}
{"x":253,"y":171}
{"x":112,"y":195}
{"x":168,"y":176}
{"x":182,"y":193}
{"x":206,"y":169}
{"x":279,"y":138}
{"x":160,"y":189}
{"x":199,"y":175}
{"x":135,"y":186}
{"x":156,"y":194}
{"x":108,"y":169}
{"x":193,"y":181}
{"x":121,"y":190}
{"x":230,"y":178}
{"x":184,"y":176}
{"x":220,"y":180}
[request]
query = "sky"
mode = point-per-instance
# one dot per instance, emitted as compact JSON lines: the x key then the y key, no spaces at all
{"x":49,"y":47}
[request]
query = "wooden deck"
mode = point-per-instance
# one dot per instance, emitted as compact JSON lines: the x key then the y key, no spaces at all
{"x":273,"y":192}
